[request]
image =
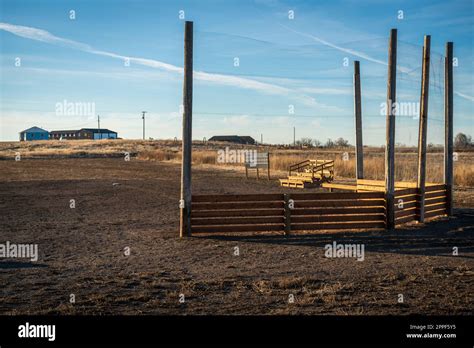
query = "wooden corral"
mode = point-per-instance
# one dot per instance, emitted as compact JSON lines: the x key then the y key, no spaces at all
{"x":371,"y":204}
{"x":312,"y":211}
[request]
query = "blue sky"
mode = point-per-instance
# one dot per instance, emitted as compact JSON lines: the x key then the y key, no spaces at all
{"x":301,"y":63}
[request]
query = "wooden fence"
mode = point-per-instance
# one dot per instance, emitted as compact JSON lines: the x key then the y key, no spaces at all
{"x":238,"y":213}
{"x":407,"y":202}
{"x":287,"y":212}
{"x":345,"y":210}
{"x":310,"y":211}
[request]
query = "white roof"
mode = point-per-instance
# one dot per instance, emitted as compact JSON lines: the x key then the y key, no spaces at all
{"x":35,"y":130}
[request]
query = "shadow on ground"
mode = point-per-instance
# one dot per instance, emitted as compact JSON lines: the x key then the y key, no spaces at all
{"x":435,"y":238}
{"x":19,"y":265}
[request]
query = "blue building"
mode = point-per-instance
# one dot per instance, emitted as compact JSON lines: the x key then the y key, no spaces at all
{"x":34,"y":133}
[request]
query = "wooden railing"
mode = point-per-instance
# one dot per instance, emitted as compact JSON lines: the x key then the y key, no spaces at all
{"x":346,"y":210}
{"x":407,"y":203}
{"x":238,"y":213}
{"x":310,"y":211}
{"x":298,"y":166}
{"x":287,"y":212}
{"x":314,"y":164}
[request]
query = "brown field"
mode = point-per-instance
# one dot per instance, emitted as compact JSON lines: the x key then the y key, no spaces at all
{"x":134,"y":204}
{"x":168,"y":150}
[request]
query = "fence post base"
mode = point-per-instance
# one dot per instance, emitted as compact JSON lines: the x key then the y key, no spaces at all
{"x":390,"y":211}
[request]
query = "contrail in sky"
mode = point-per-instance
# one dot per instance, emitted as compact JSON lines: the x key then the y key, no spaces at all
{"x":360,"y":55}
{"x":221,"y":79}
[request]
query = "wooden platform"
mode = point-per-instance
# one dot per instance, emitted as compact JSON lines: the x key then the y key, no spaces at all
{"x":309,"y":173}
{"x":345,"y":187}
{"x":298,"y":183}
{"x":372,"y":186}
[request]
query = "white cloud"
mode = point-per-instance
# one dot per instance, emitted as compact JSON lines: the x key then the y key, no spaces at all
{"x":221,"y":79}
{"x":242,"y":120}
{"x":43,"y":36}
{"x":327,"y":91}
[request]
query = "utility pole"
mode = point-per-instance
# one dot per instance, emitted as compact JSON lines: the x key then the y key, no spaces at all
{"x":98,"y":126}
{"x":448,"y":127}
{"x":186,"y":161}
{"x":261,"y":138}
{"x":423,"y":127}
{"x":143,"y":118}
{"x":358,"y":123}
{"x":294,"y":136}
{"x":390,"y":131}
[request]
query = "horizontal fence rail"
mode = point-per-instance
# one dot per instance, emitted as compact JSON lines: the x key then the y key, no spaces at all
{"x":312,"y":211}
{"x":407,"y":203}
{"x":238,"y":213}
{"x":342,"y":210}
{"x":287,"y":212}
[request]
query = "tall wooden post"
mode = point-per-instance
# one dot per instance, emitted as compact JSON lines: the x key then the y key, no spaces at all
{"x":423,"y":126}
{"x":448,"y":127}
{"x":185,"y":212}
{"x":358,"y":123}
{"x":390,"y":130}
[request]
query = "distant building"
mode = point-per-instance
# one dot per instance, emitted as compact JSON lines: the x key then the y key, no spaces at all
{"x":34,"y":133}
{"x":64,"y":134}
{"x":237,"y":139}
{"x":99,"y":133}
{"x":83,"y":133}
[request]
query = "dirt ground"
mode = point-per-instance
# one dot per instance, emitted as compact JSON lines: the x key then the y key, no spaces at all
{"x":134,"y":204}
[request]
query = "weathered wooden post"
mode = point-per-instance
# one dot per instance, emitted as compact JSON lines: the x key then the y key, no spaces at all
{"x":185,"y":203}
{"x":390,"y":130}
{"x":268,"y":165}
{"x":287,"y":198}
{"x":448,"y":127}
{"x":358,"y":123}
{"x":423,"y":126}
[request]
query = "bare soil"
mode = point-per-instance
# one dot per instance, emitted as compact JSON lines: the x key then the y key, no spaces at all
{"x":134,"y":204}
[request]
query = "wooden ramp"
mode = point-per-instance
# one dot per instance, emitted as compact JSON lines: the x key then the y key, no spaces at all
{"x":309,"y":173}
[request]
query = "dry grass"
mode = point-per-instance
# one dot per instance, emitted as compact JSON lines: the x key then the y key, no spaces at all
{"x":281,"y":159}
{"x":159,"y":155}
{"x":464,"y":175}
{"x":405,"y":169}
{"x":84,"y":148}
